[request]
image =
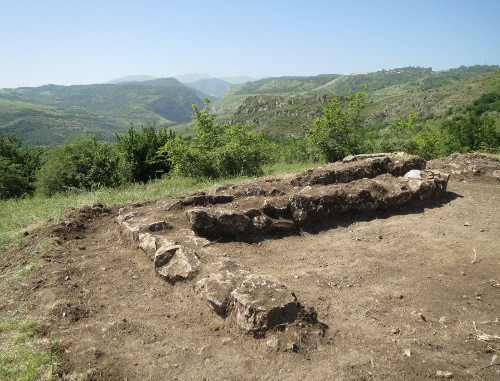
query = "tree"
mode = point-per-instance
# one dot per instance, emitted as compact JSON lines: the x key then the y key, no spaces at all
{"x":82,"y":163}
{"x":216,"y":150}
{"x":336,"y":133}
{"x":17,"y":167}
{"x":139,"y":149}
{"x":472,"y":133}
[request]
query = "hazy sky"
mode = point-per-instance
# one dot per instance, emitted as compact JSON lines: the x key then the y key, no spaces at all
{"x":86,"y":41}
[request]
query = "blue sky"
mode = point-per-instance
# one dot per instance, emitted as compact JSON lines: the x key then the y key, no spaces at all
{"x":79,"y":42}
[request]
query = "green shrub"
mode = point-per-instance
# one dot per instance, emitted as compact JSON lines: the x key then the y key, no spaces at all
{"x":472,"y":133}
{"x":336,"y":133}
{"x":216,"y":151}
{"x":139,"y":150}
{"x":17,"y":168}
{"x":83,"y":163}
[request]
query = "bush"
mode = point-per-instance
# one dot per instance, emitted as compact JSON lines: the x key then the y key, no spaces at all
{"x":140,"y":151}
{"x":17,"y":168}
{"x":472,"y":133}
{"x":80,"y":164}
{"x":336,"y":133}
{"x":217,"y":150}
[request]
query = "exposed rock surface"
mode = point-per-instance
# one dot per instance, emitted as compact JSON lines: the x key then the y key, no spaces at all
{"x":216,"y":287}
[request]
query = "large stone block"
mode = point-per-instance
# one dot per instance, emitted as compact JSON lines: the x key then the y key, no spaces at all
{"x":216,"y":288}
{"x":182,"y":265}
{"x":261,"y":303}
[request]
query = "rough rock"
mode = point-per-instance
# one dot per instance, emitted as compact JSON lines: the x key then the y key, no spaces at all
{"x":312,"y":203}
{"x":158,"y":226}
{"x":220,"y":222}
{"x":402,"y":164}
{"x":216,"y":288}
{"x":201,"y":200}
{"x":148,"y":243}
{"x":128,"y":231}
{"x":164,"y":254}
{"x":365,"y":195}
{"x":344,"y":172}
{"x":414,"y":174}
{"x":183,"y":265}
{"x":261,"y":303}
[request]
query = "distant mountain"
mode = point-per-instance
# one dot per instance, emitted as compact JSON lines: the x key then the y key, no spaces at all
{"x":211,"y":86}
{"x":236,"y":80}
{"x":48,"y":114}
{"x":192,"y":77}
{"x":131,"y":78}
{"x":280,"y":105}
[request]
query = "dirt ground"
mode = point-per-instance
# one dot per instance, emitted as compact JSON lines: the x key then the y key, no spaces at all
{"x":409,"y":294}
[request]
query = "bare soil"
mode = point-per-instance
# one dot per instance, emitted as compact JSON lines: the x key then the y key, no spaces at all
{"x":409,"y":294}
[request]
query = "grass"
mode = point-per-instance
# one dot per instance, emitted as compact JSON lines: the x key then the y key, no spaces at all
{"x":23,"y":355}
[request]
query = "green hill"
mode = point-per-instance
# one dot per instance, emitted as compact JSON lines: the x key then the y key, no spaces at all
{"x":285,"y":115}
{"x":56,"y":112}
{"x":282,"y":85}
{"x":280,"y":106}
{"x":38,"y":125}
{"x":382,"y":84}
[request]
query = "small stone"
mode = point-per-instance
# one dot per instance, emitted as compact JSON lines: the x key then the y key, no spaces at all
{"x":396,"y":331}
{"x":413,"y":174}
{"x":158,"y":226}
{"x":467,"y":223}
{"x":407,"y":352}
{"x":292,"y":347}
{"x":444,"y":374}
{"x":273,"y":343}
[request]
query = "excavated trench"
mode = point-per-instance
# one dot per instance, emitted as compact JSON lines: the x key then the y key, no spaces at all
{"x":179,"y":244}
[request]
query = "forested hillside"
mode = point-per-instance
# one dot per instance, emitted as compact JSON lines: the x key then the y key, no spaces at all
{"x":48,"y":114}
{"x":391,"y":95}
